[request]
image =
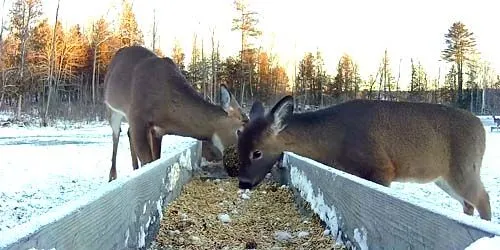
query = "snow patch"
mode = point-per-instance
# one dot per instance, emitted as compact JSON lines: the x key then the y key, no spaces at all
{"x":173,"y":176}
{"x":485,"y":243}
{"x":185,"y":160}
{"x":282,"y":236}
{"x":127,"y":235}
{"x":325,"y":212}
{"x":360,"y":236}
{"x":141,"y":240}
{"x":144,"y":209}
{"x":224,"y":218}
{"x":148,"y":222}
{"x":158,"y":207}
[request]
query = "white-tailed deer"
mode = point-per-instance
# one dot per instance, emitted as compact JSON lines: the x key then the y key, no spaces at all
{"x":155,"y":98}
{"x":381,"y":141}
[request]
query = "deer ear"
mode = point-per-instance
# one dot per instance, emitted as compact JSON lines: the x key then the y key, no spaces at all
{"x":280,"y":113}
{"x":257,"y":110}
{"x":225,"y":98}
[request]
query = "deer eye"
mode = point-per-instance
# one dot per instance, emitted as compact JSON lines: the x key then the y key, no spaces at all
{"x":257,"y":154}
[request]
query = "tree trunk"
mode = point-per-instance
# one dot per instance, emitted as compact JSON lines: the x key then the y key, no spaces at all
{"x":93,"y":74}
{"x":51,"y":67}
{"x":459,"y":101}
{"x":1,"y":63}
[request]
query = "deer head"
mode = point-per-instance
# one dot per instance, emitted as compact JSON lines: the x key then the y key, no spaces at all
{"x":258,"y":144}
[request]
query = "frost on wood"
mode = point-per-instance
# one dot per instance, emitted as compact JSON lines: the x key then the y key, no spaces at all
{"x":173,"y":177}
{"x":158,"y":207}
{"x":326,"y":213}
{"x":185,"y":160}
{"x":360,"y":236}
{"x":127,"y":235}
{"x":141,"y":240}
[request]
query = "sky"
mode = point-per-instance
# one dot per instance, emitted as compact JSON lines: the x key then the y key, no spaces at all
{"x":361,"y":28}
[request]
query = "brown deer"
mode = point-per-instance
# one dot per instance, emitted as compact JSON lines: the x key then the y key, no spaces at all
{"x":381,"y":141}
{"x":155,"y":98}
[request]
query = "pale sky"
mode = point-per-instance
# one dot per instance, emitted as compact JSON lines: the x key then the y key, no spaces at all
{"x":361,"y":28}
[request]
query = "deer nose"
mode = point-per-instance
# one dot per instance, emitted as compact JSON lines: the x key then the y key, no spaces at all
{"x":245,"y":185}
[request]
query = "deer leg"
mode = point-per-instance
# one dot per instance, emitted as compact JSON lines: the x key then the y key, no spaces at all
{"x":140,"y":141}
{"x":133,"y":154}
{"x":443,"y":185}
{"x":468,"y":208}
{"x":115,"y":122}
{"x":155,"y":144}
{"x":469,"y":187}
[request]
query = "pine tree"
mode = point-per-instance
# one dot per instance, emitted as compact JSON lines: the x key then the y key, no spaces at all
{"x":246,"y":22}
{"x":460,"y":44}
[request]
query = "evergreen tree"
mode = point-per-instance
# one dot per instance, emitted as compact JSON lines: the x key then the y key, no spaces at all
{"x":460,"y":43}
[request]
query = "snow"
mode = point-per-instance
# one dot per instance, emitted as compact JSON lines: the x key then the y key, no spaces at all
{"x":326,"y":213}
{"x":45,"y":173}
{"x":224,"y":218}
{"x":360,"y":236}
{"x":485,"y":243}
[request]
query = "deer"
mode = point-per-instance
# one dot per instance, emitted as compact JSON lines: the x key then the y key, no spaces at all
{"x":154,"y":97}
{"x":379,"y":141}
{"x":497,"y":121}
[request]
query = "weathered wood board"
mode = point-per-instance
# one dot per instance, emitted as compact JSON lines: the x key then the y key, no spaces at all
{"x":370,"y":216}
{"x":124,"y":214}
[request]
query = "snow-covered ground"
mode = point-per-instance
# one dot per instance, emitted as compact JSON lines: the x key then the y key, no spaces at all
{"x":44,"y":168}
{"x":490,"y":176}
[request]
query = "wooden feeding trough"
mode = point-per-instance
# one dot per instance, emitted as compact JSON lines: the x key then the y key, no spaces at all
{"x":127,"y":213}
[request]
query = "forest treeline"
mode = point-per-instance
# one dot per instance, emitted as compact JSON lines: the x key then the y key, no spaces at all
{"x":57,"y":72}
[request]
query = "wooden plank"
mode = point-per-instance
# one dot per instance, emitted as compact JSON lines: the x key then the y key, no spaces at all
{"x":125,"y":214}
{"x":371,"y":216}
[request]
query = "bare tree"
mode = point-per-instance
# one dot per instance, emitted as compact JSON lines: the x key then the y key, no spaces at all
{"x":1,"y":56}
{"x":23,"y":16}
{"x":51,"y":66}
{"x":155,"y":29}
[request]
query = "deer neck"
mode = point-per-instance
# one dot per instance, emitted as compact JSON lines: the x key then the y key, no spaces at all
{"x":206,"y":121}
{"x":316,"y":140}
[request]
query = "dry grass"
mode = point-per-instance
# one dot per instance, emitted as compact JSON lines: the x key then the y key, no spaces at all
{"x":191,"y":221}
